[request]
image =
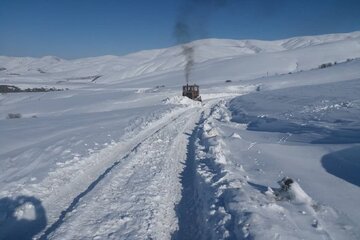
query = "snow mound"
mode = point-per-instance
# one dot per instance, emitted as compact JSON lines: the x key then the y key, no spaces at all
{"x":180,"y":100}
{"x":235,"y":135}
{"x":292,"y":191}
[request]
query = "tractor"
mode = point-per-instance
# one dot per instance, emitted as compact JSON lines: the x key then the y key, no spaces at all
{"x":192,"y":92}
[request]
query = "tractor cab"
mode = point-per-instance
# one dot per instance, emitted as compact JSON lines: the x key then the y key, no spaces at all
{"x":192,"y":92}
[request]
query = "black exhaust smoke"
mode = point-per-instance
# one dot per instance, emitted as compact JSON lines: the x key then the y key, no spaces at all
{"x":191,"y":24}
{"x":188,"y":52}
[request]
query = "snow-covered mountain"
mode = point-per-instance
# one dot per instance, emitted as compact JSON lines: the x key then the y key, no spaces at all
{"x":122,"y":155}
{"x":273,"y":57}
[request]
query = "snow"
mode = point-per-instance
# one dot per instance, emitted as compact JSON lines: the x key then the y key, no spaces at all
{"x":121,"y":155}
{"x":311,"y":123}
{"x":180,"y":100}
{"x":241,"y":174}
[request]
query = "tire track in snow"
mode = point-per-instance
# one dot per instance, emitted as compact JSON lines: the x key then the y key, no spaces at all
{"x":188,"y":208}
{"x":74,"y":203}
{"x":203,"y":212}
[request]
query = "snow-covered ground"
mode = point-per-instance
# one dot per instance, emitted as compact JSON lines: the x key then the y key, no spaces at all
{"x":120,"y":155}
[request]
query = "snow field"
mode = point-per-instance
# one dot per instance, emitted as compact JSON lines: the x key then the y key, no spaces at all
{"x":122,"y":156}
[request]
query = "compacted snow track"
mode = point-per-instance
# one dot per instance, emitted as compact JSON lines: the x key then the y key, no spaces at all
{"x":190,"y":225}
{"x":134,"y":199}
{"x":202,"y":211}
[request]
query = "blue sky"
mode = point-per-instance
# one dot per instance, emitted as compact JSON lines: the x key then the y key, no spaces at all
{"x":83,"y":28}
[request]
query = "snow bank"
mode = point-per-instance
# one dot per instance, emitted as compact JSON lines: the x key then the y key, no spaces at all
{"x":251,"y":207}
{"x":180,"y":100}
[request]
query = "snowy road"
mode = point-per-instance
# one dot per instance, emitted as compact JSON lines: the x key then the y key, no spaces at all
{"x":135,"y":197}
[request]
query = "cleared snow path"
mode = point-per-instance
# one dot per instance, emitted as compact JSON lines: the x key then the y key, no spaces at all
{"x":202,"y":212}
{"x":190,"y":222}
{"x":135,"y":199}
{"x":92,"y":185}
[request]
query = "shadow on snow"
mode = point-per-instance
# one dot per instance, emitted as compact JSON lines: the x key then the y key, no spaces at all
{"x":318,"y":134}
{"x":186,"y":208}
{"x":344,"y":164}
{"x":21,"y":217}
{"x":199,"y":197}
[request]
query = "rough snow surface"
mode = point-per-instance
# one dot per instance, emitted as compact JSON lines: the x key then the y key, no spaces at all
{"x":121,"y":155}
{"x":180,"y":100}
